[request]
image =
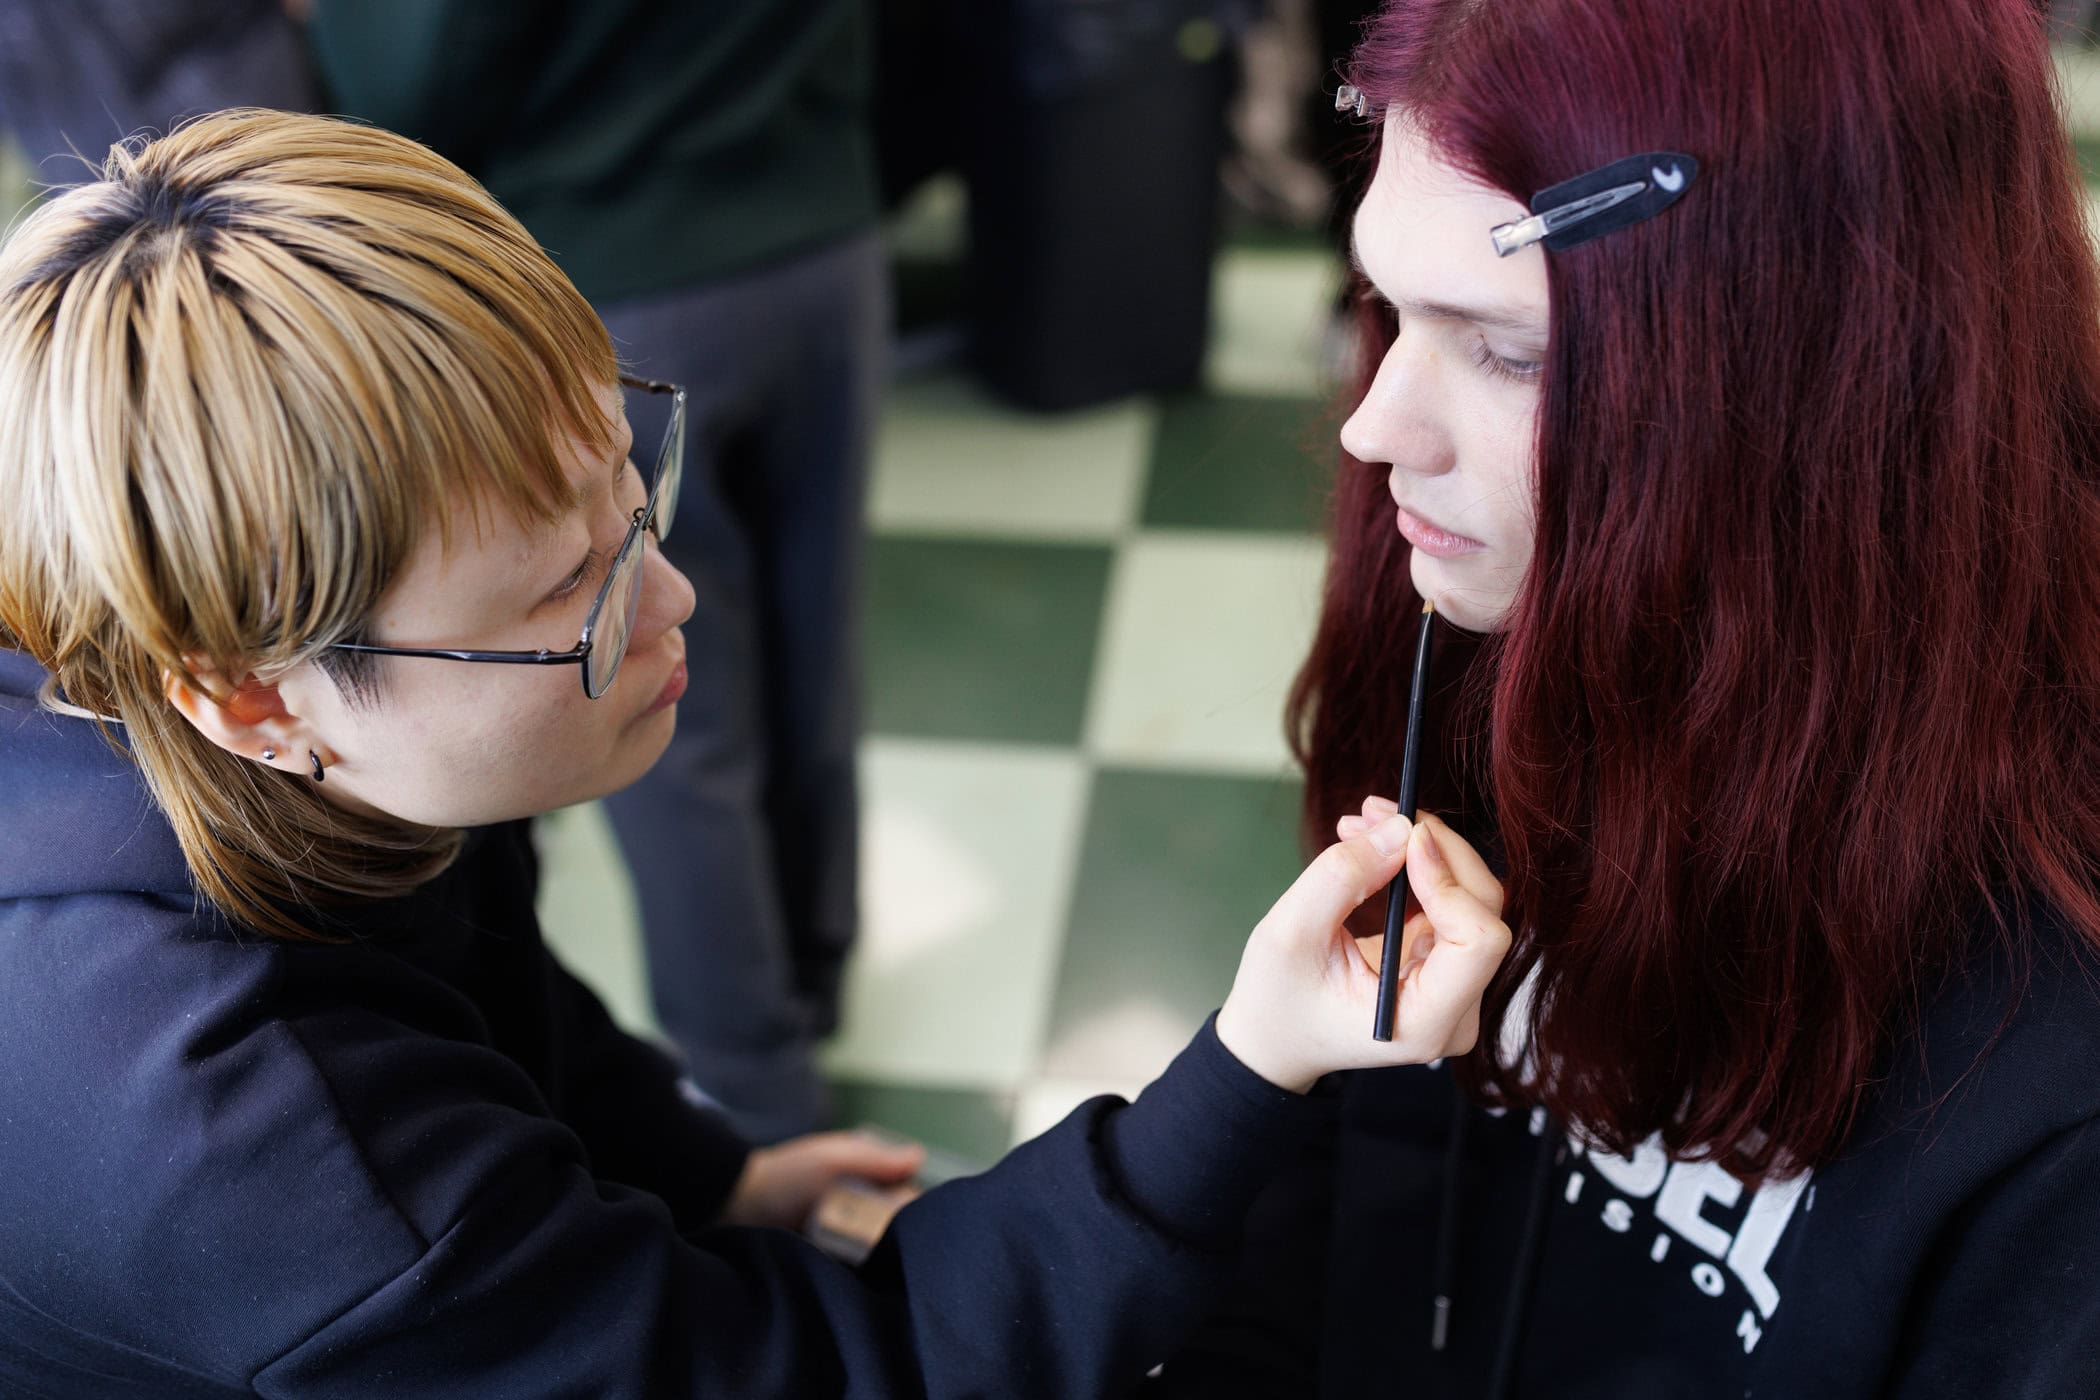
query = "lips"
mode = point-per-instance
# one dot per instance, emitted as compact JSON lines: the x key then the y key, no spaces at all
{"x":1432,"y":538}
{"x":673,"y":688}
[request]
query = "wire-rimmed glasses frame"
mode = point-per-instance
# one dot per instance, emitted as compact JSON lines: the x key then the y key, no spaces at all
{"x":598,"y":657}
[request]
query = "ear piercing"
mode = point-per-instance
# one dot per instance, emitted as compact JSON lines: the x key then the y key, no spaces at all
{"x":320,"y":770}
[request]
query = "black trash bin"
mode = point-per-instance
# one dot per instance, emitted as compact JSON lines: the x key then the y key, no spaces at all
{"x":1096,"y":128}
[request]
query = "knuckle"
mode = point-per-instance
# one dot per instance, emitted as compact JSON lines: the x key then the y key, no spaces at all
{"x":1323,"y":882}
{"x":1346,"y":861}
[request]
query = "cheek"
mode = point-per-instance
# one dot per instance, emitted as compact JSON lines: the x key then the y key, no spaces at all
{"x":1503,"y":471}
{"x":487,"y":749}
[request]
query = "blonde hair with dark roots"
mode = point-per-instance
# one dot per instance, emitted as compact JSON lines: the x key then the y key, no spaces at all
{"x":242,"y":373}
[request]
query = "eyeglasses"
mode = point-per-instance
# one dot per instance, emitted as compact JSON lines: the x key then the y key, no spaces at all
{"x":598,"y":652}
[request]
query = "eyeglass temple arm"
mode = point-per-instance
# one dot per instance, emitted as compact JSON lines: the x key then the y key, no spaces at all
{"x":510,"y":658}
{"x":651,"y":386}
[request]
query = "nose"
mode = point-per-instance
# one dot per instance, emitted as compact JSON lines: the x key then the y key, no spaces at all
{"x":667,"y":594}
{"x":1403,"y":420}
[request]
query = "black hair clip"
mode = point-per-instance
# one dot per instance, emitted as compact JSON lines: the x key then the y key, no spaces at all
{"x":1594,"y":204}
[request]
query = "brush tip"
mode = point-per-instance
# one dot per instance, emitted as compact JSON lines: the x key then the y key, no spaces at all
{"x":1428,"y":606}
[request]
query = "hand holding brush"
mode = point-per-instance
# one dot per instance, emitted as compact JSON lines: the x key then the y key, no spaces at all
{"x":1305,"y":985}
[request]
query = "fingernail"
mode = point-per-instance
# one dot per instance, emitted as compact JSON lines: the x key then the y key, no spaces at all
{"x":1390,"y":835}
{"x":1429,"y":855}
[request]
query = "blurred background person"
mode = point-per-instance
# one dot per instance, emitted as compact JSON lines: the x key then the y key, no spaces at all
{"x":78,"y":75}
{"x":706,"y":175}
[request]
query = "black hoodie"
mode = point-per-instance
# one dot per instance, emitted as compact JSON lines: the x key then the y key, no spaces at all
{"x":424,"y":1163}
{"x":1953,"y":1249}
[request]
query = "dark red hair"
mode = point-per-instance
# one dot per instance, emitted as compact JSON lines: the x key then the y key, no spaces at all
{"x":1805,"y":673}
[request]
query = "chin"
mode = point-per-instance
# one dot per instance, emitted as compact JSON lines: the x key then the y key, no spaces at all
{"x":1459,"y":600}
{"x":644,"y":743}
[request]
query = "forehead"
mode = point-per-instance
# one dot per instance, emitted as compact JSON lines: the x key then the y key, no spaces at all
{"x":1421,"y":232}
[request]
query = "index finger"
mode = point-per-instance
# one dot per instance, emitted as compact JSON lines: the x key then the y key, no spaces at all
{"x":1467,"y":867}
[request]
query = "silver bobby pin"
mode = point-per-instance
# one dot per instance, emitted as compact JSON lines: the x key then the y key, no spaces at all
{"x":1525,"y":232}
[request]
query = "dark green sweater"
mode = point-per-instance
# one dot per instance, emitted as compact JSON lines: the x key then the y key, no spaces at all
{"x":649,"y":145}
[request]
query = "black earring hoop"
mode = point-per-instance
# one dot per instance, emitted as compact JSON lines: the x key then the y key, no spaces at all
{"x":318,"y":777}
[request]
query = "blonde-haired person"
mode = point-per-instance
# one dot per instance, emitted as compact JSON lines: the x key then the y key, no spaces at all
{"x":295,"y":1100}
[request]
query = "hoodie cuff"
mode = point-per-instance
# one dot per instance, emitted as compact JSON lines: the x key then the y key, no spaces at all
{"x":1204,"y":1139}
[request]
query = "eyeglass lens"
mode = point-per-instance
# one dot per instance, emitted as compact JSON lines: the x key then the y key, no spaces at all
{"x":616,"y":621}
{"x":670,"y":467}
{"x":623,"y":595}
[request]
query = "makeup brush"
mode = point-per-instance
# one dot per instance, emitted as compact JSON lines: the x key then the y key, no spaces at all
{"x":1410,"y":782}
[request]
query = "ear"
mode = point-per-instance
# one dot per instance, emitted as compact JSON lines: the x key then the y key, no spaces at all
{"x":247,"y":718}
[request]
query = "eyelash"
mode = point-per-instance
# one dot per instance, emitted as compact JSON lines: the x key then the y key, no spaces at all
{"x":1501,"y":367}
{"x":585,"y":573}
{"x":1498,"y":366}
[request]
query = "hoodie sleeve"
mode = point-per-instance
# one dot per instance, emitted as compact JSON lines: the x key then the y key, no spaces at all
{"x":628,"y":1101}
{"x":1261,"y":1340}
{"x":1067,"y":1270}
{"x":2009,"y":1302}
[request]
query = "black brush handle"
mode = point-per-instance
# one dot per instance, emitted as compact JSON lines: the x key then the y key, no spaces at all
{"x":1410,"y":784}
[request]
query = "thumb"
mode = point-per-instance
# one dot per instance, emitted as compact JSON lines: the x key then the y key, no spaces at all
{"x":1344,"y":876}
{"x":884,"y":1163}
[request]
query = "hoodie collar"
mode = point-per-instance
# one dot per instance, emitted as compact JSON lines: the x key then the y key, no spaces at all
{"x":75,"y":817}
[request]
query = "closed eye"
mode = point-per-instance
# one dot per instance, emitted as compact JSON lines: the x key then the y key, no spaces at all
{"x":1503,"y":367}
{"x":586,"y":572}
{"x":594,"y":563}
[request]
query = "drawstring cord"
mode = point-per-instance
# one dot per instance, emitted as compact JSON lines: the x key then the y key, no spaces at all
{"x":1447,"y":1220}
{"x":1526,"y":1268}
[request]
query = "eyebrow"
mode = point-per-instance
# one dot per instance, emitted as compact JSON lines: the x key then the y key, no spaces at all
{"x":1497,"y":317}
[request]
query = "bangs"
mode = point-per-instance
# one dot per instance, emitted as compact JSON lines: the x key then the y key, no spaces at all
{"x":292,"y":345}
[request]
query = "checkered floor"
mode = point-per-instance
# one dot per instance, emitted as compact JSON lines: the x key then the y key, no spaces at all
{"x":1078,"y":801}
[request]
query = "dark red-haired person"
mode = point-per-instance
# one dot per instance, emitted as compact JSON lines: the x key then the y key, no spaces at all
{"x":1733,"y":384}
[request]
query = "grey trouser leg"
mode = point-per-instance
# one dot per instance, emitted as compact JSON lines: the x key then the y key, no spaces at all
{"x":744,"y":837}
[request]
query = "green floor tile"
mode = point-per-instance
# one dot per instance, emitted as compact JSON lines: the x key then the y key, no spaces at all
{"x":2087,"y":151}
{"x":1231,"y":462}
{"x":15,"y":188}
{"x":1249,"y":232}
{"x":978,"y":640}
{"x":975,"y":1127}
{"x":1175,"y":870}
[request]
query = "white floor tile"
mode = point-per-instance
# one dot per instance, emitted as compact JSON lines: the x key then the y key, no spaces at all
{"x":967,"y":861}
{"x":1044,"y":1104}
{"x":587,"y":911}
{"x":933,"y":225}
{"x":2078,"y":69}
{"x":949,"y":461}
{"x":1135,"y":1037}
{"x":1269,"y":314}
{"x":1202,"y":635}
